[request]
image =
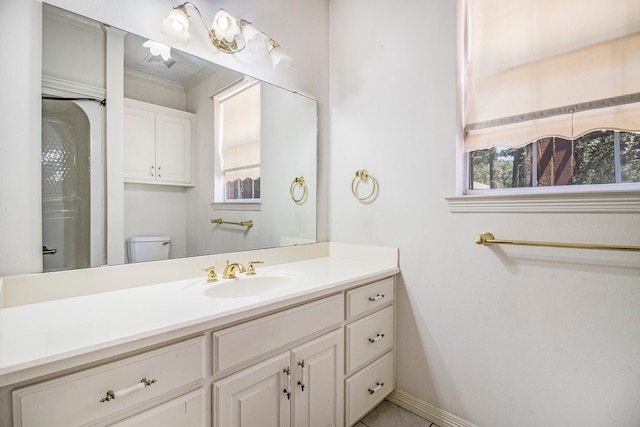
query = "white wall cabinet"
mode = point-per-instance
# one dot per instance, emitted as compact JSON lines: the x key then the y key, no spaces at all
{"x":158,"y":144}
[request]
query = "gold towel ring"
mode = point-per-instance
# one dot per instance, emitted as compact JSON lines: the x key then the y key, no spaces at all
{"x":363,"y":175}
{"x":299,"y":181}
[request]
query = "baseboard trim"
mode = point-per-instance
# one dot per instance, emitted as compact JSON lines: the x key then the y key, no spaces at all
{"x":426,"y":410}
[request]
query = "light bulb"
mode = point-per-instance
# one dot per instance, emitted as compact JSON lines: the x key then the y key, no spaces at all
{"x":176,"y":25}
{"x":225,"y":26}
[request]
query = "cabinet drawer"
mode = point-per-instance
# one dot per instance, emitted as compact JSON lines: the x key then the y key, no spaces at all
{"x":187,"y":410}
{"x":75,"y":399}
{"x":369,"y":297}
{"x":368,"y":338}
{"x":238,"y":344}
{"x":369,"y":387}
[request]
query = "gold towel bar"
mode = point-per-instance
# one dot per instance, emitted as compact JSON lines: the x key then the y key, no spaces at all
{"x":243,"y":223}
{"x":487,"y":239}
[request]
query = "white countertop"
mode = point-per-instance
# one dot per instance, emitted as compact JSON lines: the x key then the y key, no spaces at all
{"x":37,"y":334}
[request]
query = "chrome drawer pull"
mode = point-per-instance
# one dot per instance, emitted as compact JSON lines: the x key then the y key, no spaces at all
{"x":301,"y":381}
{"x":376,"y":388}
{"x":120,"y":393}
{"x":377,"y":338}
{"x":376,"y":298}
{"x":287,"y":389}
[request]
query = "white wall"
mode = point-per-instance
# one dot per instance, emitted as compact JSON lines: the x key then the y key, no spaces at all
{"x":20,"y":211}
{"x":500,"y":337}
{"x":20,"y":214}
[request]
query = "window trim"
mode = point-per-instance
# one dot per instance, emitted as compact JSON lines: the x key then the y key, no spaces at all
{"x":625,"y":198}
{"x":237,"y":206}
{"x":219,"y":200}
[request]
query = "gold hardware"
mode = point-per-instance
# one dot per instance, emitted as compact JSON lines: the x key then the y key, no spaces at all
{"x":251,"y":270}
{"x":363,"y":175}
{"x":230,"y":270}
{"x":242,"y":223}
{"x":211,"y":276}
{"x":487,"y":239}
{"x":299,"y":181}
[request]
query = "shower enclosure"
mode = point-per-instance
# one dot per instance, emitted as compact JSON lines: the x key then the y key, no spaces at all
{"x":72,"y":184}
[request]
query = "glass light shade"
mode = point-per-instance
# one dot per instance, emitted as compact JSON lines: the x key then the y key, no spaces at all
{"x":254,"y":39}
{"x":176,"y":25}
{"x":225,"y":26}
{"x":279,"y":58}
{"x":158,"y":49}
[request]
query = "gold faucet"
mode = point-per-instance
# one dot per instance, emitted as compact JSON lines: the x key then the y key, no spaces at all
{"x":230,"y":270}
{"x":251,"y":270}
{"x":211,"y":274}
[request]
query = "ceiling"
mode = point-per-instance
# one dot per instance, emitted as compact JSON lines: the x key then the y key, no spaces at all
{"x":183,"y":66}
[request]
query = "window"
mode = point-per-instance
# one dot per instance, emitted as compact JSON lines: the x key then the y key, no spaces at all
{"x":601,"y":157}
{"x":237,"y":142}
{"x":551,"y":94}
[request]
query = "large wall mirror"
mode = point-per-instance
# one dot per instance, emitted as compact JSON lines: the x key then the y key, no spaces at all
{"x":75,"y":144}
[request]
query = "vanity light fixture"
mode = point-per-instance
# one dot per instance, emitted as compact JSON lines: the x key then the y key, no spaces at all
{"x":227,"y":33}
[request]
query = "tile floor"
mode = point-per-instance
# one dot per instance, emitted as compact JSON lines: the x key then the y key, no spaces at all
{"x":388,"y":414}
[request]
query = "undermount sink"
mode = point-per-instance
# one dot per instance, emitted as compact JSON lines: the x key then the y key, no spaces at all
{"x":244,"y":286}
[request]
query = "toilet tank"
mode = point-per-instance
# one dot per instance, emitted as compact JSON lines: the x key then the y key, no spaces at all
{"x":154,"y":248}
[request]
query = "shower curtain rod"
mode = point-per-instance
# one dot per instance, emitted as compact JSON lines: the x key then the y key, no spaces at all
{"x":102,"y":102}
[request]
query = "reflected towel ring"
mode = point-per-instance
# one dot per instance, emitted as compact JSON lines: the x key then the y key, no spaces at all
{"x":298,"y":182}
{"x":363,"y":175}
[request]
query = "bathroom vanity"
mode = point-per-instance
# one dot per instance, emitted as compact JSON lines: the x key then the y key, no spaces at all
{"x":307,"y":341}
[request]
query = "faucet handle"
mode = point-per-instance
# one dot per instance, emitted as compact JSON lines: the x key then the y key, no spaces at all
{"x":211,"y":274}
{"x":251,"y":270}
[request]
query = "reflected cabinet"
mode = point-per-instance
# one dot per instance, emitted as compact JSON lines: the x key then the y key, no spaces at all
{"x":158,"y":144}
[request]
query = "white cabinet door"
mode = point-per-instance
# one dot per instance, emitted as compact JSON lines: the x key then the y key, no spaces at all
{"x":158,"y":144}
{"x":139,"y":144}
{"x":173,"y":149}
{"x":318,"y":382}
{"x":258,"y":396}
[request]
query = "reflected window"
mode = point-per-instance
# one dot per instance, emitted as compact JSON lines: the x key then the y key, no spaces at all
{"x":237,"y":134}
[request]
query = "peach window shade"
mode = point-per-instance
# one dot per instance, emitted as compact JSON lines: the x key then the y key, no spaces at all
{"x":537,"y":68}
